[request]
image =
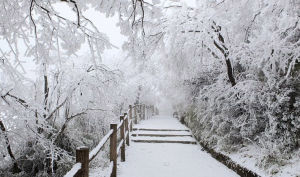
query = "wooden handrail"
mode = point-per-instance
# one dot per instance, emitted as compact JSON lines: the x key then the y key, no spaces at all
{"x":120,"y":124}
{"x":119,"y":146}
{"x":74,"y":170}
{"x":83,"y":157}
{"x":97,"y":149}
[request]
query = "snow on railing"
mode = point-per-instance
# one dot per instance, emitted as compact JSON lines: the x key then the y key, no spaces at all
{"x":120,"y":124}
{"x":126,"y":134}
{"x":74,"y":170}
{"x":97,"y":149}
{"x":83,"y":157}
{"x":119,"y":147}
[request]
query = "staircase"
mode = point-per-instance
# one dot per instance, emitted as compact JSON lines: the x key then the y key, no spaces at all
{"x":159,"y":135}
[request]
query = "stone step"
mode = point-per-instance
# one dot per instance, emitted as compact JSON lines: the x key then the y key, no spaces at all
{"x":160,"y":135}
{"x":164,"y":141}
{"x":149,"y":129}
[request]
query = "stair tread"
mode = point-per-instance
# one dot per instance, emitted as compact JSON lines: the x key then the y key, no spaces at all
{"x":160,"y":135}
{"x":164,"y":141}
{"x":151,"y":129}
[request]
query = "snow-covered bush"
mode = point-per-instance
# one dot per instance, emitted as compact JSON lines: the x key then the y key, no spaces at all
{"x":80,"y":106}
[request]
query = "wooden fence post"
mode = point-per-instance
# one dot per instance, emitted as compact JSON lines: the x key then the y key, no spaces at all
{"x":147,"y":112}
{"x":135,"y":114}
{"x":122,"y":128}
{"x":82,"y":156}
{"x":144,"y":111}
{"x":152,"y":110}
{"x":127,"y":129}
{"x":141,"y":112}
{"x":130,"y":117}
{"x":113,"y":149}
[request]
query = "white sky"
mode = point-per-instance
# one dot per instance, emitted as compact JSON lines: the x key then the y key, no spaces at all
{"x":111,"y":57}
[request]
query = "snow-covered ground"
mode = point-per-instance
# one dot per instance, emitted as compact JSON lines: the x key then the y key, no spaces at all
{"x":161,"y":122}
{"x":169,"y":160}
{"x":163,"y":132}
{"x":179,"y":160}
{"x":247,"y":157}
{"x":164,"y":138}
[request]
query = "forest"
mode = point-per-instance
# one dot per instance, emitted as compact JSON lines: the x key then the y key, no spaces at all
{"x":230,"y":68}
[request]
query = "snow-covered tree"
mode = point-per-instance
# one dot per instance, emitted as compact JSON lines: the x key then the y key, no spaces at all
{"x":50,"y":96}
{"x":236,"y":64}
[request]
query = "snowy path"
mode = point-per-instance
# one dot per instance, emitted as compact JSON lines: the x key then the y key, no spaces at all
{"x":168,"y":159}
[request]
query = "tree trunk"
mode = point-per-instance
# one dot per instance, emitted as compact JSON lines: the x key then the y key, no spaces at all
{"x":220,"y":44}
{"x":46,"y":94}
{"x":15,"y":169}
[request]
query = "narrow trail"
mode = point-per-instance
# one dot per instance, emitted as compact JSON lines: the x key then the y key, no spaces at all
{"x":163,"y":147}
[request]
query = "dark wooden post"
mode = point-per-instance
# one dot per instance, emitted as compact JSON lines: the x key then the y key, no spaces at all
{"x":135,"y":114}
{"x":152,"y":110}
{"x":127,"y":129}
{"x":147,"y":111}
{"x":144,"y":111}
{"x":82,"y":156}
{"x":122,"y":128}
{"x":141,"y":112}
{"x":113,"y":149}
{"x":130,"y":117}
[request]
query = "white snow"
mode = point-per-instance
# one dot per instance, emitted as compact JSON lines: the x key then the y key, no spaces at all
{"x":99,"y":172}
{"x":161,"y":122}
{"x":109,"y":169}
{"x":163,"y":138}
{"x":162,"y":132}
{"x":119,"y":146}
{"x":120,"y":124}
{"x":247,"y":157}
{"x":126,"y":133}
{"x":169,"y":160}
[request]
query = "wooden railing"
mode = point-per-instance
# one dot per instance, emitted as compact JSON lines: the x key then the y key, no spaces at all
{"x":84,"y":157}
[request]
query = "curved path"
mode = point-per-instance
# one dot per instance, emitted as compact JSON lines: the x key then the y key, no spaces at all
{"x":163,"y":147}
